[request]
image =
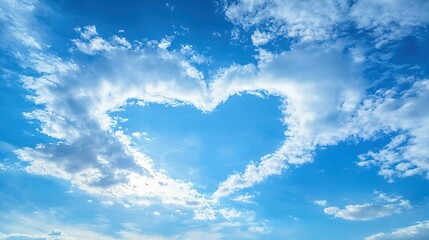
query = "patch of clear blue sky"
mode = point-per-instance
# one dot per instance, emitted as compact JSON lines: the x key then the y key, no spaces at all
{"x":207,"y":147}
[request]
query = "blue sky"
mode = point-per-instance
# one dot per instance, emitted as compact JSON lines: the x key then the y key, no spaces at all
{"x":244,"y":119}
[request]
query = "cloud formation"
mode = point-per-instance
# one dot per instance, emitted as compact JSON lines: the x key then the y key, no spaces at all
{"x":330,"y":19}
{"x":383,"y":207}
{"x":419,"y":231}
{"x":403,"y":111}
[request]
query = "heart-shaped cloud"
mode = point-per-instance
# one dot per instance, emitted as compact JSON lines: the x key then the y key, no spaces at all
{"x":98,"y":157}
{"x":324,"y":101}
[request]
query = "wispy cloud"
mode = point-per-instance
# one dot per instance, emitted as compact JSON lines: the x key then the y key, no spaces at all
{"x":384,"y":206}
{"x":419,"y":231}
{"x":329,"y":19}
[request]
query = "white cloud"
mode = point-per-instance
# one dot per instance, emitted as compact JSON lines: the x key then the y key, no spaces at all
{"x":383,"y":207}
{"x":89,"y":152}
{"x":244,"y":198}
{"x":402,"y":111}
{"x":121,"y":41}
{"x":90,"y":42}
{"x":320,"y":202}
{"x":205,"y":214}
{"x":260,"y":38}
{"x":165,"y":42}
{"x":108,"y":203}
{"x":419,"y":231}
{"x":15,"y":19}
{"x":308,"y":20}
{"x":229,"y":214}
{"x":328,"y":19}
{"x":50,"y":236}
{"x":45,"y":226}
{"x":194,"y":57}
{"x":308,"y":124}
{"x":143,"y":135}
{"x":258,"y":229}
{"x":390,"y":20}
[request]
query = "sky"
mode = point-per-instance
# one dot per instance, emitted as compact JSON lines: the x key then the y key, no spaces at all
{"x":215,"y":119}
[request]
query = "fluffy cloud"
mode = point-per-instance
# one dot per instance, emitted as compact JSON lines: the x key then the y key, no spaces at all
{"x":90,"y":153}
{"x":383,"y":207}
{"x":390,"y":20}
{"x":328,"y":19}
{"x":419,"y":231}
{"x":403,"y":111}
{"x":307,"y":20}
{"x":74,"y":106}
{"x":260,"y":38}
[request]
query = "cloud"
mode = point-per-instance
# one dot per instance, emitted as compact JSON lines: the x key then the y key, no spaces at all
{"x":309,"y":20}
{"x":53,"y":235}
{"x":165,"y":42}
{"x":419,"y":231}
{"x":402,"y":111}
{"x":320,"y":202}
{"x":260,"y":38}
{"x":15,"y":19}
{"x":44,"y":226}
{"x":390,"y":20}
{"x":324,"y":20}
{"x":259,"y":229}
{"x":94,"y":156}
{"x":143,"y":135}
{"x":383,"y":207}
{"x":229,"y":214}
{"x":91,"y":43}
{"x":205,"y":214}
{"x":308,"y":124}
{"x":244,"y":198}
{"x":51,"y":225}
{"x":89,"y":151}
{"x":156,"y":213}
